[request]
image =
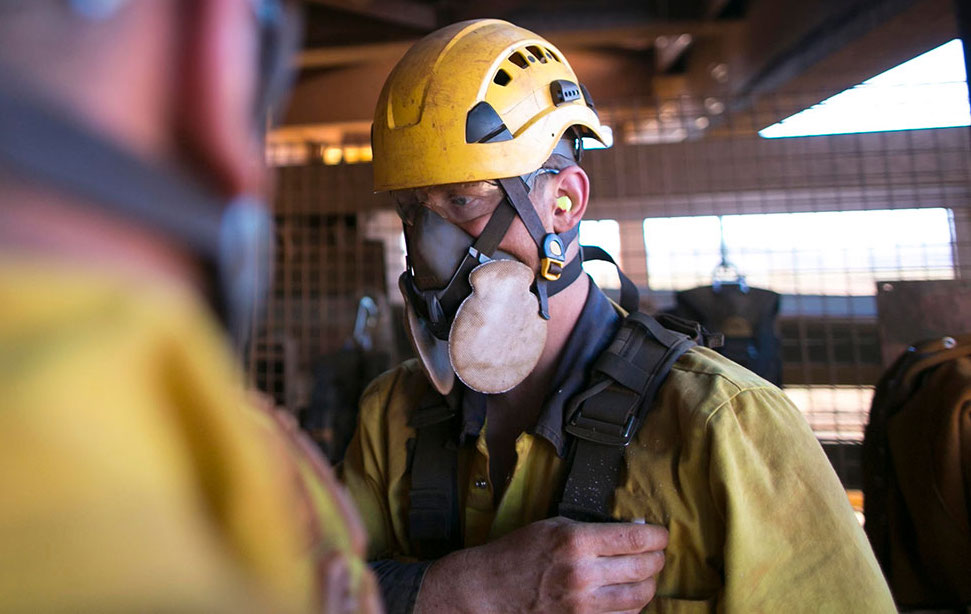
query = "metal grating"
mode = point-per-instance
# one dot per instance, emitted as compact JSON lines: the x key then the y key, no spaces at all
{"x":684,"y":158}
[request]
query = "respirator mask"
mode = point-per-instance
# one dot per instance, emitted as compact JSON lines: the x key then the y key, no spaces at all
{"x":473,"y":311}
{"x":42,"y":144}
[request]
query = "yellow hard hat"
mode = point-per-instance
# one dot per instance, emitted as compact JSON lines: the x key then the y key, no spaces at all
{"x":476,"y":100}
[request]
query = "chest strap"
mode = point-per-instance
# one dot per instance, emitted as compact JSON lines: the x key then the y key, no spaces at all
{"x":433,"y":516}
{"x":605,"y":417}
{"x":602,"y":420}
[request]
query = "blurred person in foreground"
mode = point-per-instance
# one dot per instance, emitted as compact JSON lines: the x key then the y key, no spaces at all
{"x":135,"y":474}
{"x":504,"y":470}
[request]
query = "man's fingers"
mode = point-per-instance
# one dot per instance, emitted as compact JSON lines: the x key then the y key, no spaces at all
{"x":628,"y":569}
{"x":615,"y":538}
{"x":625,"y":597}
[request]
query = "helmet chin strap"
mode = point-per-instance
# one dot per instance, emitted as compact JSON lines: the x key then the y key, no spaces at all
{"x":551,"y":246}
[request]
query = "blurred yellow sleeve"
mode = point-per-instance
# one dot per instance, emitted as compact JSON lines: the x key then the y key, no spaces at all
{"x":134,"y":475}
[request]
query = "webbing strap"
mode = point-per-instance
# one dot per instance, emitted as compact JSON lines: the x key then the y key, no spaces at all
{"x":439,"y":306}
{"x":433,"y":517}
{"x":602,"y":421}
{"x":570,"y":273}
{"x":518,"y":194}
{"x":604,"y":418}
{"x":495,"y":229}
{"x":629,"y":296}
{"x":595,"y":471}
{"x":567,"y":236}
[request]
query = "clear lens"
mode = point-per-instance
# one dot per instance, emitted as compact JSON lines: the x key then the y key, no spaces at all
{"x":457,"y":203}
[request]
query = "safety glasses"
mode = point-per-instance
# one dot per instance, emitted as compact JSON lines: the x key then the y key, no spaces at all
{"x":456,"y":203}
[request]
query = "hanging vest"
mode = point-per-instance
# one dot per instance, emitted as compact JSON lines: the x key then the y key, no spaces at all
{"x":747,"y":318}
{"x":602,"y":420}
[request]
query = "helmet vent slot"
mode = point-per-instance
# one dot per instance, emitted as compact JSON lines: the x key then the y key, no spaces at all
{"x":519,"y":60}
{"x":553,"y":56}
{"x":501,"y":78}
{"x":564,"y":91}
{"x":536,"y":51}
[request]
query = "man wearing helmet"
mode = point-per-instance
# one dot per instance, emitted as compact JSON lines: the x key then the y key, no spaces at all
{"x":479,"y":467}
{"x":135,"y":475}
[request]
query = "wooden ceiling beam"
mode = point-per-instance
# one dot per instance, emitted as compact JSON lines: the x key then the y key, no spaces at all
{"x":348,"y":55}
{"x":327,"y":57}
{"x":399,"y":12}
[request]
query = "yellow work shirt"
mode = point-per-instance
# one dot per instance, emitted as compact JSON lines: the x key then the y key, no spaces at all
{"x":757,"y":517}
{"x":134,"y":474}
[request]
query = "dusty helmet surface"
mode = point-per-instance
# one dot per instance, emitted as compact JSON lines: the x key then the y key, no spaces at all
{"x":476,"y":100}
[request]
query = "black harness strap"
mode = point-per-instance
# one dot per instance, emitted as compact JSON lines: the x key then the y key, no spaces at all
{"x":629,"y":295}
{"x":604,"y":418}
{"x":494,"y":231}
{"x":433,"y":517}
{"x":517,"y":193}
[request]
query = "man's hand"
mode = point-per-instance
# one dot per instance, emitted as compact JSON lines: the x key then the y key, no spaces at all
{"x":555,"y":565}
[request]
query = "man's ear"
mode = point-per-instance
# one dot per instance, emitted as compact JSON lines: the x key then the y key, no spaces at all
{"x":571,"y":189}
{"x":217,"y":97}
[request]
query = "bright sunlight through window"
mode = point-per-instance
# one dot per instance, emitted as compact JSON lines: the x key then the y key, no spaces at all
{"x":929,"y":91}
{"x":836,"y":253}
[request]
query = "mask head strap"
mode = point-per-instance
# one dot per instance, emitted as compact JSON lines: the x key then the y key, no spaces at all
{"x":281,"y":23}
{"x":40,"y":143}
{"x":438,"y":306}
{"x":552,"y":247}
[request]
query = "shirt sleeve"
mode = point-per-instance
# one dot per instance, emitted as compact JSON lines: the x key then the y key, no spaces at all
{"x":792,"y":542}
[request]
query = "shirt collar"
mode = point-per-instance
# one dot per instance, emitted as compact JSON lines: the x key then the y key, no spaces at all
{"x":596,"y":326}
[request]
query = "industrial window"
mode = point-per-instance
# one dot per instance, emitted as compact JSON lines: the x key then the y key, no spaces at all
{"x":835,"y":413}
{"x":604,"y":234}
{"x":818,"y":253}
{"x":818,"y":219}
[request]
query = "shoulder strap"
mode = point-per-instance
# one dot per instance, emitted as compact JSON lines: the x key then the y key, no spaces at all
{"x":604,"y":418}
{"x":629,"y":295}
{"x":433,"y":517}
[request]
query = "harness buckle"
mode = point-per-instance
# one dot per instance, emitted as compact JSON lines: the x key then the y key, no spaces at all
{"x":554,"y":257}
{"x":600,"y":432}
{"x":604,"y":414}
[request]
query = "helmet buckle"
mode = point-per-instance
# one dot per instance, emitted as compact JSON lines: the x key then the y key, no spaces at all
{"x":553,"y":258}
